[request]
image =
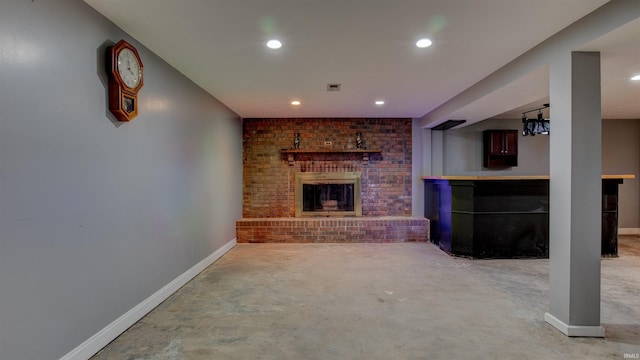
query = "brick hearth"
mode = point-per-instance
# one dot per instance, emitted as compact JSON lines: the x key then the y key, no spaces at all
{"x":332,"y":230}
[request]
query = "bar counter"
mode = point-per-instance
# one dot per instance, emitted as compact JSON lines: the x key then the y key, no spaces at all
{"x":504,"y":216}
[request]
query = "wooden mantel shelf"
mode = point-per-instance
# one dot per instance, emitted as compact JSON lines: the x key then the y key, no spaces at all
{"x":329,"y":151}
{"x":365,"y":153}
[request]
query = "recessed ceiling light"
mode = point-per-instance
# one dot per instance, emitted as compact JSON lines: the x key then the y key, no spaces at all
{"x":423,"y":43}
{"x":295,"y":102}
{"x":274,"y":44}
{"x":379,"y":102}
{"x":635,"y":78}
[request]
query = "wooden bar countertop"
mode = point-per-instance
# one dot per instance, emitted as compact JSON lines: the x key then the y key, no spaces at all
{"x":515,"y":177}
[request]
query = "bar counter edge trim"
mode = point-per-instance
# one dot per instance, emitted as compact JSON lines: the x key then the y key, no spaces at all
{"x":514,"y":177}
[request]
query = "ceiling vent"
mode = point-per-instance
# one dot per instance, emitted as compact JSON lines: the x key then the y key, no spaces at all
{"x":333,"y":87}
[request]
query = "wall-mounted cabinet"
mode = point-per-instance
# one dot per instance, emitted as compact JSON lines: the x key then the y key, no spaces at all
{"x":500,"y":148}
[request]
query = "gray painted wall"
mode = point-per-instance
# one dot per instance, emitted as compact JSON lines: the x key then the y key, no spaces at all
{"x":621,"y":155}
{"x":95,"y":215}
{"x":462,"y":153}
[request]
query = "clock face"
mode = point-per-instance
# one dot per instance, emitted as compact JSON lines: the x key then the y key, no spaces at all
{"x":129,"y":68}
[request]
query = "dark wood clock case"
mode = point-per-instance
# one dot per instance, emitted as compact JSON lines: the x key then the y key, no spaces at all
{"x":123,"y":101}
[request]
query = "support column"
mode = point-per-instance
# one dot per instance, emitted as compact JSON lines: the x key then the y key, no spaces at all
{"x":437,"y":152}
{"x":427,"y":153}
{"x":575,"y":193}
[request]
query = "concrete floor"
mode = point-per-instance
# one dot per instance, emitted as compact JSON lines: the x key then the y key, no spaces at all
{"x":378,"y":301}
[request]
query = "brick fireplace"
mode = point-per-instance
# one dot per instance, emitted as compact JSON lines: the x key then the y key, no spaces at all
{"x":274,"y":163}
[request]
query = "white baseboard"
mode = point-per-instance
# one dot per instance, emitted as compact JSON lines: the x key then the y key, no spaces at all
{"x":110,"y":332}
{"x":629,"y":231}
{"x":574,"y":330}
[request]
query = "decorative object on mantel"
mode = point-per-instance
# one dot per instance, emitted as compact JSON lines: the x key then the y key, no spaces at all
{"x":359,"y":142}
{"x":296,"y":141}
{"x":535,"y":126}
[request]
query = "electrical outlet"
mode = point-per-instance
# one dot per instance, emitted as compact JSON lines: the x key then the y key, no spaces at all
{"x":328,"y":143}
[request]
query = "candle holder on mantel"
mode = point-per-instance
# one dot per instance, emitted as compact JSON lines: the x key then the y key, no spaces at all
{"x":296,"y":141}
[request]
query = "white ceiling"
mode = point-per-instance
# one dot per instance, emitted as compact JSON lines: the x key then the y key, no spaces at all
{"x":368,"y":46}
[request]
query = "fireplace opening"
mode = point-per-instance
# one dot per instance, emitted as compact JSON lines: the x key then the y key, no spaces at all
{"x":328,"y":194}
{"x":327,"y":197}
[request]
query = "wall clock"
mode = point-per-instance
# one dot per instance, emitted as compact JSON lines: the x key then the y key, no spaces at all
{"x":125,"y":80}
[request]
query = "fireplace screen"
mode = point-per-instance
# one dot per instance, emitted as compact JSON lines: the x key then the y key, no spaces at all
{"x":328,"y":194}
{"x":327,"y":197}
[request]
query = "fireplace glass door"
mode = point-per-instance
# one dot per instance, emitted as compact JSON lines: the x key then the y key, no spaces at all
{"x":327,"y":197}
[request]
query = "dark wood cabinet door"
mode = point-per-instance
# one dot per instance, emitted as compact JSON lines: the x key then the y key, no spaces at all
{"x":510,"y":142}
{"x":495,"y":143}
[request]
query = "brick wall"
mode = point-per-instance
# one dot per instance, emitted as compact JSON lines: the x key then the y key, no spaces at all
{"x":269,"y":179}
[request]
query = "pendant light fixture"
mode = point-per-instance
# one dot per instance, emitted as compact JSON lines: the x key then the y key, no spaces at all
{"x":539,"y":125}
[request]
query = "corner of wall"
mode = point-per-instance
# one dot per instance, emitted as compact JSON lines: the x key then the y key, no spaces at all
{"x":420,"y":158}
{"x":103,"y":337}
